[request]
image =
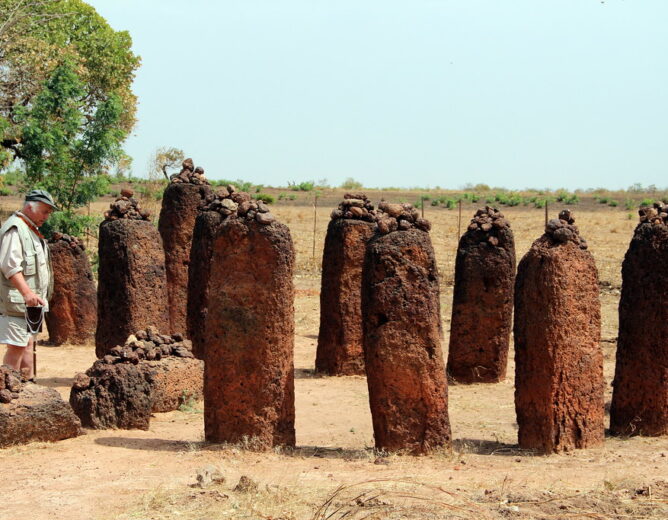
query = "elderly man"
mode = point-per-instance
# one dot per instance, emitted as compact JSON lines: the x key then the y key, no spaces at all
{"x":26,"y":277}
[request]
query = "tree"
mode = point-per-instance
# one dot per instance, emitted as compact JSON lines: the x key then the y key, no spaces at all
{"x":36,"y":37}
{"x":164,"y":158}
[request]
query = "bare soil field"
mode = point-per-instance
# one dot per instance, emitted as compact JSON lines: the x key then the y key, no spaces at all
{"x":334,"y":472}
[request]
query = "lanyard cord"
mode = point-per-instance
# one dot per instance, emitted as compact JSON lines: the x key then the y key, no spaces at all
{"x":34,"y":325}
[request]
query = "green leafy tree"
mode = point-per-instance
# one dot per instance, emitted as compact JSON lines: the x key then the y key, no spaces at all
{"x":35,"y":38}
{"x":58,"y":155}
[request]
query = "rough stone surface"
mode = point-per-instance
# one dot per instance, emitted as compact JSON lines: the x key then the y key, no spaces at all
{"x":408,"y":390}
{"x":640,"y":393}
{"x":37,"y":413}
{"x":176,"y":381}
{"x":206,"y":225}
{"x":482,"y":307}
{"x":249,"y":369}
{"x":132,"y":286}
{"x":72,"y":315}
{"x":150,"y":372}
{"x":559,"y":363}
{"x":114,"y":396}
{"x":340,"y":340}
{"x":180,"y":205}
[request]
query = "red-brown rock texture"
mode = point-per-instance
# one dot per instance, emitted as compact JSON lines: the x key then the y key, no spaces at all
{"x":559,"y":363}
{"x":206,"y":225}
{"x":408,"y":390}
{"x":482,"y":306}
{"x":30,"y":412}
{"x":640,"y":393}
{"x":249,"y":372}
{"x":132,"y":286}
{"x":72,"y":315}
{"x":226,"y":203}
{"x":340,"y":340}
{"x":176,"y":381}
{"x":180,"y":205}
{"x":151,"y":372}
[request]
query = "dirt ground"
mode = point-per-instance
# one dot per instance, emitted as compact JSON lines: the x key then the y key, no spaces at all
{"x":334,"y":472}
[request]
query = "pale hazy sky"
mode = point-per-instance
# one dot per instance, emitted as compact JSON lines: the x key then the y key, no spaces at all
{"x":515,"y":93}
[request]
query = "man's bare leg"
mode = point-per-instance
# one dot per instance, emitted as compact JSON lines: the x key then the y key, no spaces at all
{"x":14,"y":356}
{"x":27,"y":368}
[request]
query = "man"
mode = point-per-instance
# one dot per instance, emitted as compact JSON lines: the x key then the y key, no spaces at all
{"x":25,"y":277}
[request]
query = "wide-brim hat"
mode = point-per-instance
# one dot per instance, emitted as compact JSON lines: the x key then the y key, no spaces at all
{"x":42,"y":196}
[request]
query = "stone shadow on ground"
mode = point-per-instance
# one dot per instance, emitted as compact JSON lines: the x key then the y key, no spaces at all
{"x":54,"y":382}
{"x":489,"y":447}
{"x":153,"y":444}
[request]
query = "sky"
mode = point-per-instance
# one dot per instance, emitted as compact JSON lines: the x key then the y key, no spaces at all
{"x":517,"y":93}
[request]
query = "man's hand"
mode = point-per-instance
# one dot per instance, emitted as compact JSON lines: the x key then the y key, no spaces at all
{"x":32,"y":300}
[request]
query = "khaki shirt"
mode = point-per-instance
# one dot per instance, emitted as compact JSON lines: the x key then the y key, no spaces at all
{"x":11,"y":255}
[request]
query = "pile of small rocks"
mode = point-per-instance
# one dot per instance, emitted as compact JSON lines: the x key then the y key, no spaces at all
{"x":355,"y":206}
{"x":488,"y":225}
{"x":126,"y":207}
{"x":10,"y":384}
{"x":402,"y":217}
{"x":231,"y":203}
{"x":149,"y":345}
{"x":656,"y":214}
{"x":73,"y":242}
{"x":563,"y":229}
{"x":189,"y":174}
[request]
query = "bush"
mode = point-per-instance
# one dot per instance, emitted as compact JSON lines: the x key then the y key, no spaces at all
{"x":646,"y":202}
{"x":613,"y":203}
{"x":69,"y":223}
{"x":302,"y":186}
{"x":351,"y":184}
{"x":265,"y":197}
{"x":4,"y":191}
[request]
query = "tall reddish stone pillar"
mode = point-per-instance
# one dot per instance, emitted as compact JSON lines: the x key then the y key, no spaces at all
{"x":72,"y":315}
{"x":249,"y":331}
{"x":408,"y":391}
{"x":187,"y":192}
{"x":482,"y":306}
{"x":340,"y":351}
{"x":559,"y":363}
{"x":640,"y":394}
{"x":199,"y":269}
{"x":132,"y":286}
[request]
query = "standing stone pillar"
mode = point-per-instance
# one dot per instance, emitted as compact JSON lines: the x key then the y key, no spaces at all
{"x":199,"y":269}
{"x":186,"y":193}
{"x":482,"y":306}
{"x":408,"y":391}
{"x":132,"y":286}
{"x":72,"y":315}
{"x":559,"y":363}
{"x":340,"y":351}
{"x":249,"y":331}
{"x":640,"y":394}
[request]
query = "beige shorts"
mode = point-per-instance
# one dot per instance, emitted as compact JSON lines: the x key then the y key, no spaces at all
{"x":13,"y":331}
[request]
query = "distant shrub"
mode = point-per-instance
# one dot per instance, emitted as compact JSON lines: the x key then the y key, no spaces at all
{"x":434,"y":202}
{"x":264,"y":197}
{"x":351,"y":184}
{"x":302,"y":186}
{"x":629,"y":204}
{"x":4,"y":191}
{"x":613,"y":203}
{"x":646,"y":202}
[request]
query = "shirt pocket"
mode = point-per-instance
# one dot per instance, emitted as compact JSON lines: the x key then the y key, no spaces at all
{"x":15,"y":296}
{"x":31,"y":266}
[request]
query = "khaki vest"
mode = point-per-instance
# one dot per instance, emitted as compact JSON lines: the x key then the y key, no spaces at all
{"x":11,"y":300}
